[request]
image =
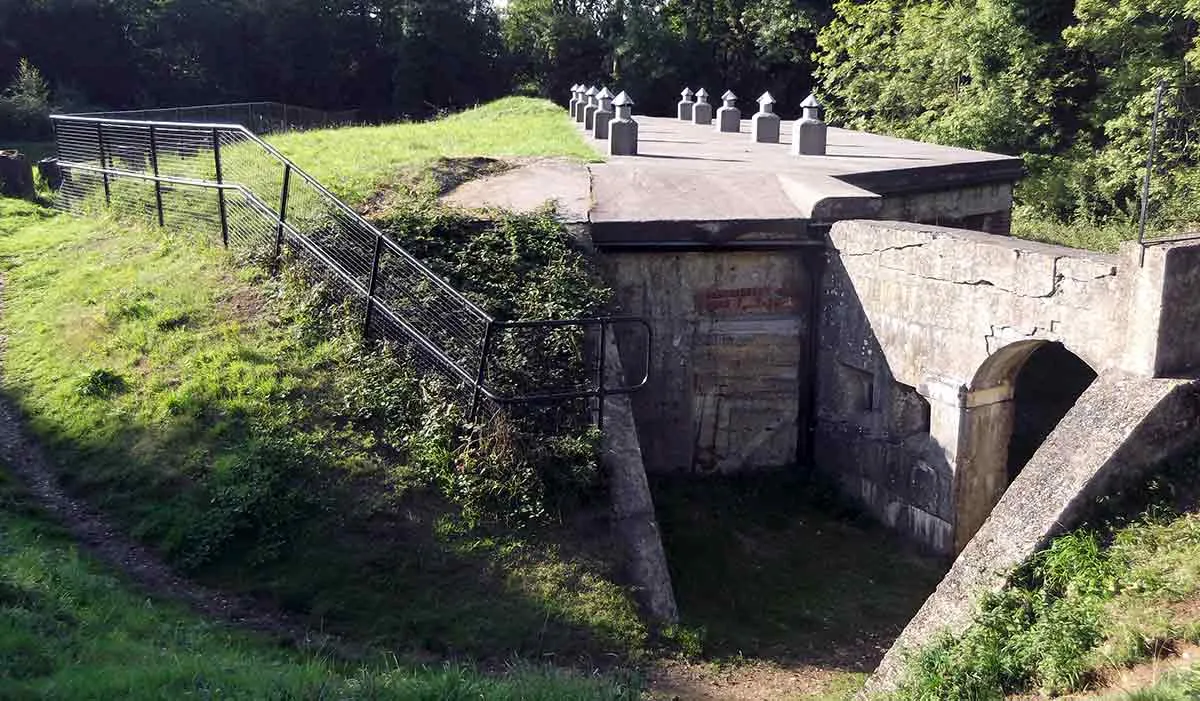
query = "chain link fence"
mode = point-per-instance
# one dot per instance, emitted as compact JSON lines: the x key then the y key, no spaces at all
{"x":224,"y":180}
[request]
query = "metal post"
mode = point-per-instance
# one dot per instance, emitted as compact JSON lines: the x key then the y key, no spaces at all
{"x":371,"y":286}
{"x":477,"y":396}
{"x":283,"y":203}
{"x":103,"y":162}
{"x":216,"y":142}
{"x":601,"y":374}
{"x":1158,"y":98}
{"x":157,"y":182}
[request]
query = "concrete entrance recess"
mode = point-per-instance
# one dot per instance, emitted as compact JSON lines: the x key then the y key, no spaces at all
{"x":820,"y":311}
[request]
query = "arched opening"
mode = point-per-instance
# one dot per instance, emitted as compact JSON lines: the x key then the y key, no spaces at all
{"x":1016,"y":399}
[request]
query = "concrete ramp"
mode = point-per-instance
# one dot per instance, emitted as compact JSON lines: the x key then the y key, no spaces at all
{"x":1120,"y":428}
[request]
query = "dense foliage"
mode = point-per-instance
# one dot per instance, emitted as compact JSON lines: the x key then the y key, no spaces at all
{"x":1070,"y":84}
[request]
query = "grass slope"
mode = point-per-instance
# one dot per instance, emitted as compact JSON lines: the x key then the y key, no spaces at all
{"x":357,"y":162}
{"x":1097,"y":600}
{"x":223,"y":418}
{"x":69,"y":629}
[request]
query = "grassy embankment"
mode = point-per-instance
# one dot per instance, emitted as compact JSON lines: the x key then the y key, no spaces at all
{"x":358,"y":162}
{"x":236,"y":423}
{"x":70,"y":629}
{"x":1116,"y":593}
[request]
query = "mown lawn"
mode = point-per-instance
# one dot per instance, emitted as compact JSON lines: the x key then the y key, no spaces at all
{"x":357,"y":162}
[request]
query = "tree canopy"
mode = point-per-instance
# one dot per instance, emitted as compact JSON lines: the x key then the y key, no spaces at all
{"x":1069,"y":84}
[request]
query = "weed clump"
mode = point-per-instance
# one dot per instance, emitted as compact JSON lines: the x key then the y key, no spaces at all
{"x":1097,"y":598}
{"x":100,"y":384}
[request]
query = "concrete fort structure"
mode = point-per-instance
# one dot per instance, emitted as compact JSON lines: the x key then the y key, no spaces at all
{"x":865,"y":313}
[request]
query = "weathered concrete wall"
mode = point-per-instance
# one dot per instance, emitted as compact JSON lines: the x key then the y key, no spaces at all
{"x":1120,"y":426}
{"x":911,"y":313}
{"x":985,"y":208}
{"x":731,"y":332}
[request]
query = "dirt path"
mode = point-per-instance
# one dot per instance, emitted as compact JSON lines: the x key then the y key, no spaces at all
{"x":27,"y":462}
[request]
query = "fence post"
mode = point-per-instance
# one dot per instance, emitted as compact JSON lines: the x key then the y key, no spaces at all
{"x":477,"y":395}
{"x":1145,"y":214}
{"x":216,"y":142}
{"x":103,"y":162}
{"x":157,"y":182}
{"x":371,"y":287}
{"x":283,"y":202}
{"x":601,"y":374}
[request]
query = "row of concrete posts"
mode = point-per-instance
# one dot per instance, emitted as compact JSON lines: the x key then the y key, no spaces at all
{"x":606,"y":118}
{"x":594,"y":109}
{"x":809,"y":134}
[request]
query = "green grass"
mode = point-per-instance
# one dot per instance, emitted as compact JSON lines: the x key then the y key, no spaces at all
{"x":1099,"y":598}
{"x":1106,"y":238}
{"x":235,"y":423}
{"x":357,"y":162}
{"x":766,"y":567}
{"x":1177,"y":686}
{"x":71,"y":629}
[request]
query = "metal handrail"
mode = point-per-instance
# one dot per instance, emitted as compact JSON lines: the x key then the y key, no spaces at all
{"x":303,"y":115}
{"x":493,"y":327}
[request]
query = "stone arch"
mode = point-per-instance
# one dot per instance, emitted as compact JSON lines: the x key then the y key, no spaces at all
{"x":1016,"y":399}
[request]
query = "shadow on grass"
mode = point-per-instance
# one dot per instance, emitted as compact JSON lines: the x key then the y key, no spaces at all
{"x":774,"y":567}
{"x":350,"y":554}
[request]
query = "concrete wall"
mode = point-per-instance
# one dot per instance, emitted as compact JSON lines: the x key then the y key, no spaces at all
{"x":911,"y":314}
{"x":1121,"y":426}
{"x":731,"y":331}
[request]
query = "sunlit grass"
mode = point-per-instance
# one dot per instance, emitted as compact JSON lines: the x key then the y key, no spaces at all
{"x":356,"y":162}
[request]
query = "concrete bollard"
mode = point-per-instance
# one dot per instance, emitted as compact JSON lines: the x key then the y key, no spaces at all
{"x":809,"y":134}
{"x":765,"y":125}
{"x":729,"y":117}
{"x":702,"y":112}
{"x":604,"y":115}
{"x":582,"y":104}
{"x":574,"y":103}
{"x":622,"y":130}
{"x":589,"y":110}
{"x":685,"y":105}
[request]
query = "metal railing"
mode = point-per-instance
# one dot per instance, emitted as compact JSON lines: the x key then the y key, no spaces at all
{"x":224,"y":177}
{"x":259,"y":117}
{"x":1170,"y":199}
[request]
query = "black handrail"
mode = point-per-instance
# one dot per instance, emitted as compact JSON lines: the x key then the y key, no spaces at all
{"x":476,"y":380}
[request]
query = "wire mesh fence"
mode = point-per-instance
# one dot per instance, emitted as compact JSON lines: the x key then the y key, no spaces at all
{"x":258,"y":117}
{"x":228,"y":182}
{"x":1170,"y":196}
